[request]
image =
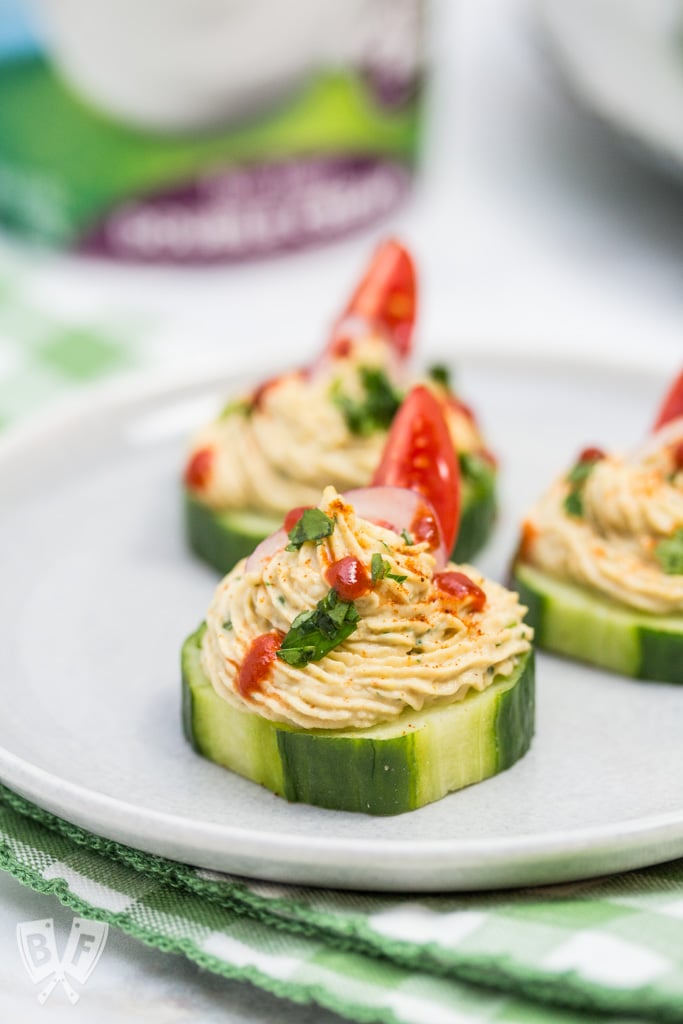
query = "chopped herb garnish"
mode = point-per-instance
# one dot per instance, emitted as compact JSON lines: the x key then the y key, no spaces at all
{"x":580,"y":472}
{"x":573,"y":503}
{"x":227,"y":625}
{"x":669,"y":554}
{"x":314,"y":634}
{"x":473,"y":467}
{"x":281,"y":598}
{"x":313,"y":525}
{"x":406,"y":537}
{"x":576,"y":477}
{"x":241,"y":406}
{"x":440,"y":374}
{"x":376,"y":409}
{"x":380,"y":567}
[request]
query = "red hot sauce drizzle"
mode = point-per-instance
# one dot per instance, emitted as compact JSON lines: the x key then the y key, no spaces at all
{"x":462,"y":588}
{"x":349,"y":578}
{"x":199,"y":469}
{"x":260,"y":392}
{"x":256,"y":664}
{"x":258,"y":395}
{"x":294,"y":515}
{"x":341,"y":348}
{"x":424,"y":527}
{"x":591,"y":455}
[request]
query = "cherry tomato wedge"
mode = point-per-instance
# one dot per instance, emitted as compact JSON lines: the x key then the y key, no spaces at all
{"x":419,"y":455}
{"x":672,"y":406}
{"x":387,"y":295}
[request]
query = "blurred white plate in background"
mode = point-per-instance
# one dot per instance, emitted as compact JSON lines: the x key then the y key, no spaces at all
{"x":624,"y":60}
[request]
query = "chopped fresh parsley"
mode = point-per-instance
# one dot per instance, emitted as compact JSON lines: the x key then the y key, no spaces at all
{"x":407,"y":539}
{"x":440,"y":374}
{"x":573,"y":503}
{"x":581,"y":471}
{"x":227,"y":625}
{"x":379,"y":568}
{"x":314,"y":634}
{"x":576,"y":477}
{"x":669,"y":554}
{"x":241,"y":406}
{"x":313,"y":525}
{"x":376,"y":409}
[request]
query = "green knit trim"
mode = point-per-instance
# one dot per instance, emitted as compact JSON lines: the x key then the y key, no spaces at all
{"x":304,"y":994}
{"x":348,"y":934}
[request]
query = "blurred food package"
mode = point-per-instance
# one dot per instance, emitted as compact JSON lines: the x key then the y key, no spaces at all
{"x":197,"y":131}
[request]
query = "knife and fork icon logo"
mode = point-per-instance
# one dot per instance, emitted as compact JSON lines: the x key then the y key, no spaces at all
{"x":38,"y":948}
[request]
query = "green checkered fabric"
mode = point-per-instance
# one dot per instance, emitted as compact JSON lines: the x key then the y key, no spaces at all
{"x":43,"y":356}
{"x":602,"y":950}
{"x":610,"y":947}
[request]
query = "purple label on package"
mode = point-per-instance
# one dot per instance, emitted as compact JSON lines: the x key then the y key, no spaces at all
{"x":253,"y":211}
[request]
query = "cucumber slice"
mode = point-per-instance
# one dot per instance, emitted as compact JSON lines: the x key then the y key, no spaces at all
{"x":570,"y":620}
{"x":387,"y":769}
{"x":222,"y":538}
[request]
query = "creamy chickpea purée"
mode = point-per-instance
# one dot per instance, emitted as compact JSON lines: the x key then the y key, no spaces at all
{"x":296,"y":438}
{"x":415,"y":645}
{"x":628,"y":507}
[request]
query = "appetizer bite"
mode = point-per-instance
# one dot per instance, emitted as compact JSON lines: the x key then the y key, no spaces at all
{"x":600,"y":562}
{"x":346,"y":663}
{"x":276,"y":447}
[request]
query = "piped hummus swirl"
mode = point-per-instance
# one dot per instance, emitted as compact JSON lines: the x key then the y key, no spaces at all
{"x":610,"y":543}
{"x":279,"y":451}
{"x":414,"y":644}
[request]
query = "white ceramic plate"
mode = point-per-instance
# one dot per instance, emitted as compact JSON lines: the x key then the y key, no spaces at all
{"x":624,"y":60}
{"x":98,"y":593}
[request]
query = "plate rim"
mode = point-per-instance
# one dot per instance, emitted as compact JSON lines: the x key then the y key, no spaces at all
{"x":287,"y":857}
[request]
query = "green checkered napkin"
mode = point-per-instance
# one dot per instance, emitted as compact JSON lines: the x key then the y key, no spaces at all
{"x":566,"y":953}
{"x":43,"y":356}
{"x":612,"y":947}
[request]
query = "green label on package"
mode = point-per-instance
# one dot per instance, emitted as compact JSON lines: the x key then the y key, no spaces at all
{"x":189,"y":131}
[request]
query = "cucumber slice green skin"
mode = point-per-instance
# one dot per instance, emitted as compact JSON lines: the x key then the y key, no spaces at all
{"x":222,"y":538}
{"x":572,"y":621}
{"x":387,"y":769}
